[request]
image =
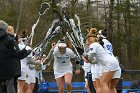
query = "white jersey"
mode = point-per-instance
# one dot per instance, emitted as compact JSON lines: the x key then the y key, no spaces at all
{"x":62,"y":62}
{"x":87,"y":66}
{"x":108,"y":46}
{"x":104,"y":57}
{"x":24,"y":66}
{"x":24,"y":61}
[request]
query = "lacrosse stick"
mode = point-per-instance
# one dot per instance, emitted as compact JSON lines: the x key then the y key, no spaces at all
{"x":80,"y":33}
{"x":49,"y":35}
{"x":71,"y":24}
{"x":44,"y":7}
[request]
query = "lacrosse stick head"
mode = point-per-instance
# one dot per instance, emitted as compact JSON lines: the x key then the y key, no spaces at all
{"x":43,"y":8}
{"x":65,"y":11}
{"x":57,"y":14}
{"x":37,"y":51}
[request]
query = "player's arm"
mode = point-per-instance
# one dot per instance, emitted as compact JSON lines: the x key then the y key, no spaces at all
{"x":92,"y":58}
{"x":50,"y":54}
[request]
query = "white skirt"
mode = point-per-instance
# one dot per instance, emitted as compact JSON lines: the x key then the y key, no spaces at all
{"x":31,"y":76}
{"x":58,"y":75}
{"x":24,"y":72}
{"x":99,"y":70}
{"x":59,"y":72}
{"x":117,"y":74}
{"x":112,"y":65}
{"x":93,"y":71}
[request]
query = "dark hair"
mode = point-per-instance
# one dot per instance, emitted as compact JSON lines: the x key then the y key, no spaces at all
{"x":61,"y":41}
{"x":100,"y":41}
{"x":104,"y":32}
{"x":16,"y":38}
{"x":24,"y":34}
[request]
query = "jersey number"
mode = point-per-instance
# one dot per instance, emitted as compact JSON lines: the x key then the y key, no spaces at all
{"x":109,"y":47}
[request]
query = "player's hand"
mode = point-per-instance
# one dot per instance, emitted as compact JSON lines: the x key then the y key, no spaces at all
{"x":53,"y":45}
{"x":77,"y":71}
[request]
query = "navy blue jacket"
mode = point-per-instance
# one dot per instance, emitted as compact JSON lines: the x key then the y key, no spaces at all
{"x":10,"y":56}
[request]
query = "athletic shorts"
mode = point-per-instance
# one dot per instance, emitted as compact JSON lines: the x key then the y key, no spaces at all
{"x":23,"y":76}
{"x":31,"y":76}
{"x":117,"y":74}
{"x":111,"y":66}
{"x":58,"y":75}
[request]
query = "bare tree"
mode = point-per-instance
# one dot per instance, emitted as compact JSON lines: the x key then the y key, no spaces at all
{"x":73,"y":3}
{"x":119,"y":29}
{"x":105,"y":13}
{"x":110,"y":19}
{"x":19,"y":17}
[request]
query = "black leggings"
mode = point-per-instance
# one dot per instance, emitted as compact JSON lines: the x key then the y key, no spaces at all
{"x":3,"y":88}
{"x":36,"y":86}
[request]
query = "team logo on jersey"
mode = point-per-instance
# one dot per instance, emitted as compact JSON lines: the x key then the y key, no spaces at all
{"x":63,"y":62}
{"x":63,"y":57}
{"x":91,"y":49}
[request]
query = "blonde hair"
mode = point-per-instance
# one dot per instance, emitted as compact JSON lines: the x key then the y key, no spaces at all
{"x":10,"y":30}
{"x":92,"y":33}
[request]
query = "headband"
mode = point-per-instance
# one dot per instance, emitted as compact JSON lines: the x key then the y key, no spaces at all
{"x":62,"y":45}
{"x":24,"y":38}
{"x":100,"y":32}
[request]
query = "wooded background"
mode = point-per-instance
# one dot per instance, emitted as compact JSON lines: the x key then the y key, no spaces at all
{"x":120,"y":17}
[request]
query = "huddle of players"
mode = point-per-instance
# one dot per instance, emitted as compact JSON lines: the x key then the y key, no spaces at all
{"x":101,"y":62}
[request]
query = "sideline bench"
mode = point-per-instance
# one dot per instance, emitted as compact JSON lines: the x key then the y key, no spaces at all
{"x":51,"y":87}
{"x":79,"y":87}
{"x":126,"y":87}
